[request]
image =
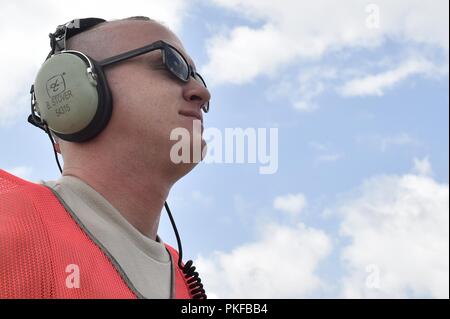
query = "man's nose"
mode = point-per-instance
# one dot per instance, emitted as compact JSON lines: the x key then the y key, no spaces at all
{"x":196,"y":92}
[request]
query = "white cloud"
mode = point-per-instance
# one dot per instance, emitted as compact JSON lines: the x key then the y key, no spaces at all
{"x":295,"y":34}
{"x":325,"y":153}
{"x":305,"y":106}
{"x":24,"y":29}
{"x":398,"y":140}
{"x":384,"y":143}
{"x":350,"y":78}
{"x":281,"y":264}
{"x":301,"y":93}
{"x":292,"y":204}
{"x":423,"y":167}
{"x":257,"y":58}
{"x":378,"y":83}
{"x":399,"y":231}
{"x":312,"y":83}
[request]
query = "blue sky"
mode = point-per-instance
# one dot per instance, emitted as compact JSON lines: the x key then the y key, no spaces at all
{"x":362,"y":118}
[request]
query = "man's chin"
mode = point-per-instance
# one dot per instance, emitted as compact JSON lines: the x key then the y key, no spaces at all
{"x":198,"y":152}
{"x":182,"y":169}
{"x":188,"y":154}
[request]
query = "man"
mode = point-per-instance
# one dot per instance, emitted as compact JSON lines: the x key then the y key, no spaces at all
{"x":93,"y":232}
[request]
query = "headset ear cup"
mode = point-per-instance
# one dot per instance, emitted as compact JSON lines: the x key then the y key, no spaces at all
{"x":104,"y":107}
{"x":73,"y":97}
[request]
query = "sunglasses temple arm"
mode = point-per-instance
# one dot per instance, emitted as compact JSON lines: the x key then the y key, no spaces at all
{"x":128,"y":55}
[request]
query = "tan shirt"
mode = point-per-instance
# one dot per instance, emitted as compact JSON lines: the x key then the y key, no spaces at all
{"x":146,"y":263}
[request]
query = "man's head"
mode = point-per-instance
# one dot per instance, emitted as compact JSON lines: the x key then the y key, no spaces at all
{"x":147,"y":98}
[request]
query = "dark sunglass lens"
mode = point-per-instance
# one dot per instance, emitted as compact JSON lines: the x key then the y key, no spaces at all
{"x":176,"y":64}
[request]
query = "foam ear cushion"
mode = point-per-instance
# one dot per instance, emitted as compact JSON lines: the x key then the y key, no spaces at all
{"x":104,"y":108}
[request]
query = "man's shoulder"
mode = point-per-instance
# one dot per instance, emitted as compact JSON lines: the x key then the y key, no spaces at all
{"x":17,"y":207}
{"x":14,"y":188}
{"x":22,"y":250}
{"x":10,"y":183}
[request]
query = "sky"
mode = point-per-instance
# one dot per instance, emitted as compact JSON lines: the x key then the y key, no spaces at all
{"x":356,"y":94}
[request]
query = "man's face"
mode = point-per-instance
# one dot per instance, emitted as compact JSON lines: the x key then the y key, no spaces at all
{"x":148,"y":100}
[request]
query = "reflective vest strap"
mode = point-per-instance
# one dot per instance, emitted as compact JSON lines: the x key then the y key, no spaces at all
{"x":43,"y":251}
{"x":9,"y":182}
{"x":181,"y":287}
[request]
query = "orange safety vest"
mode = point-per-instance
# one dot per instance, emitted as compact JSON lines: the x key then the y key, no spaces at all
{"x":40,"y":242}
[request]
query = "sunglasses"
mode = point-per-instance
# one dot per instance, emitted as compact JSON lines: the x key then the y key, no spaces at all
{"x":173,"y":60}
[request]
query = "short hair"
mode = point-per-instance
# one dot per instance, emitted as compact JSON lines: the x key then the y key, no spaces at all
{"x":140,"y":18}
{"x":134,"y":18}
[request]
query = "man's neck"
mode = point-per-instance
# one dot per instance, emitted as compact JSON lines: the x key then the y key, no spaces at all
{"x":138,"y":196}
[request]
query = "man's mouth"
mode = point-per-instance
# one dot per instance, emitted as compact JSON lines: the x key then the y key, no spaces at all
{"x":192,"y":114}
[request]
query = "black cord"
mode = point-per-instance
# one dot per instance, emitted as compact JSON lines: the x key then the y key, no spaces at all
{"x":47,"y":130}
{"x":177,"y":235}
{"x":192,"y":277}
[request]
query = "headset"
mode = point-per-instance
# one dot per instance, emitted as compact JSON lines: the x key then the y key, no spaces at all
{"x":70,"y":95}
{"x":71,"y":99}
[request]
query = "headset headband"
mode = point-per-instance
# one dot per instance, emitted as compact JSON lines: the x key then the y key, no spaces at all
{"x":68,"y":30}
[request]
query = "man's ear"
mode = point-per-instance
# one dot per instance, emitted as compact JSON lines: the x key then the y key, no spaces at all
{"x":57,"y":148}
{"x":55,"y":143}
